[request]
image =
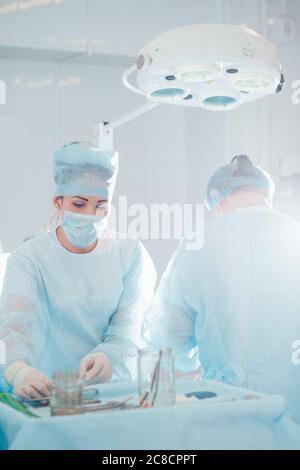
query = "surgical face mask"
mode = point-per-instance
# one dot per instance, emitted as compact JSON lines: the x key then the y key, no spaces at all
{"x":82,"y":230}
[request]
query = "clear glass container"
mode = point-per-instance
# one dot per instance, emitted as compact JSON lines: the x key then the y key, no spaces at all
{"x":156,"y":378}
{"x":66,"y":394}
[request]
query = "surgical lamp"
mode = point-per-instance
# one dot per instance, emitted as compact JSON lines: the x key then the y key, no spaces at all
{"x":214,"y":66}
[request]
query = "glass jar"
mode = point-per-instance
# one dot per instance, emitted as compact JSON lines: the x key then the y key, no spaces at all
{"x":66,"y":394}
{"x":156,"y":377}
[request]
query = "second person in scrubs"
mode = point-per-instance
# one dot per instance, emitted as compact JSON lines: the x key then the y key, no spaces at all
{"x":233,"y":305}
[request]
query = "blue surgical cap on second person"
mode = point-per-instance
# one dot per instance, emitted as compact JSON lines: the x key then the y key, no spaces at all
{"x":240,"y":173}
{"x":82,"y":169}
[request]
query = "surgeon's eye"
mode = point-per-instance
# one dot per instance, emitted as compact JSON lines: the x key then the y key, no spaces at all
{"x":78,"y":205}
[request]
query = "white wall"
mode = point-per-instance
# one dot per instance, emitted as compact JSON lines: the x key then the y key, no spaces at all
{"x":38,"y":117}
{"x":112,"y":27}
{"x":165,"y":156}
{"x":267,"y":130}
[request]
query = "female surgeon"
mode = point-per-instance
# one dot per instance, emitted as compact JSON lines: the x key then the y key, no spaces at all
{"x":74,"y":297}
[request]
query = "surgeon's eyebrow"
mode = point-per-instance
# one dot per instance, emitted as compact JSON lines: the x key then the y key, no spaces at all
{"x":84,"y":199}
{"x":79,"y":197}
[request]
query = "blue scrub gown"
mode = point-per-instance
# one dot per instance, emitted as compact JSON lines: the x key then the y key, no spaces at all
{"x":58,"y":306}
{"x":233,"y":306}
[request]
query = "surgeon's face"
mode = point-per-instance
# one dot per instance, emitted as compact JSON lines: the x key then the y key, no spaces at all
{"x":88,"y":205}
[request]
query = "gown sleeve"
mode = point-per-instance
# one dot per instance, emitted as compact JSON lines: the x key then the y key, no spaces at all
{"x":22,"y":318}
{"x":170,"y":321}
{"x":123,"y":335}
{"x":180,"y":318}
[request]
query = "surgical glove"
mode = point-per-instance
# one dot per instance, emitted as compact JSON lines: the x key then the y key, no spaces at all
{"x":192,"y":375}
{"x":27,"y":381}
{"x":95,"y":368}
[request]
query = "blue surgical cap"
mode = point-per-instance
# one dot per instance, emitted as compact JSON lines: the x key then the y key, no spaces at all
{"x":240,"y":173}
{"x":82,"y":169}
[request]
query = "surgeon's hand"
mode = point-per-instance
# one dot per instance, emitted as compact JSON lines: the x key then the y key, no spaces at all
{"x":192,"y":375}
{"x":34,"y":384}
{"x":95,"y":368}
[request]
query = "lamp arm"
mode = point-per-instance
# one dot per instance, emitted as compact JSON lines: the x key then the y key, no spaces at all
{"x":103,"y":131}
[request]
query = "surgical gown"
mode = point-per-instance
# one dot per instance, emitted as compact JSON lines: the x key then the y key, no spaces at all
{"x":58,"y":306}
{"x":233,"y":306}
